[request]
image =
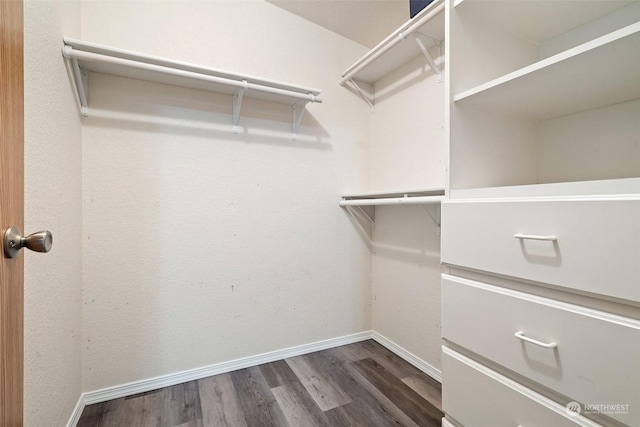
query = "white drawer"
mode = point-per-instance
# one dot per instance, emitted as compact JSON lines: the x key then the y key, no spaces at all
{"x":597,"y":358}
{"x":597,"y":248}
{"x":476,"y":396}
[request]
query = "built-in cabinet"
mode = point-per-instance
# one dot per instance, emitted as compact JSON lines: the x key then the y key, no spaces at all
{"x":541,"y":218}
{"x":543,"y":92}
{"x":541,"y":206}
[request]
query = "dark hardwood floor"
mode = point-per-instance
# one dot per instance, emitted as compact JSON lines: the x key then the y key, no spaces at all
{"x":361,"y":384}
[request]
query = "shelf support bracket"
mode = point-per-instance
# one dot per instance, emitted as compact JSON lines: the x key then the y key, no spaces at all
{"x":437,"y":219}
{"x":297,"y":111}
{"x":81,"y":78}
{"x":237,"y":103}
{"x":370,"y":218}
{"x":430,"y":60}
{"x":362,"y":94}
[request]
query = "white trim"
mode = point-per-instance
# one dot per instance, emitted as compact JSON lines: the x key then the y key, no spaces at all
{"x":409,"y":357}
{"x":77,"y":412}
{"x":446,"y":423}
{"x":150,"y":384}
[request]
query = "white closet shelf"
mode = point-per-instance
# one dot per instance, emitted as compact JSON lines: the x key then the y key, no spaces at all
{"x":536,"y":20}
{"x":420,"y":197}
{"x":87,"y":57}
{"x":427,"y":27}
{"x":623,"y":188}
{"x":564,"y":83}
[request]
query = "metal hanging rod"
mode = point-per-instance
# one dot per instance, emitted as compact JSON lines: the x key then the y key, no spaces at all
{"x":422,"y":201}
{"x":417,"y":200}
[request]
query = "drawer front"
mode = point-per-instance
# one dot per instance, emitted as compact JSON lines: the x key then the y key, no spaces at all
{"x":597,"y":246}
{"x":597,"y":355}
{"x":476,"y":396}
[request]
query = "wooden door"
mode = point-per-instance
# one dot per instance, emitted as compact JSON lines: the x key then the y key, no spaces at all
{"x":11,"y":210}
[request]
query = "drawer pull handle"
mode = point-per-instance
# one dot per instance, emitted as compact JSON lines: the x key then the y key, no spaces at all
{"x":533,"y":237}
{"x":520,"y":336}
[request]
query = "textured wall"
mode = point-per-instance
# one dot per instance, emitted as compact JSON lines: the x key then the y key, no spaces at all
{"x":408,"y":128}
{"x":201,"y":246}
{"x":406,"y":280}
{"x":408,"y":153}
{"x":53,"y":200}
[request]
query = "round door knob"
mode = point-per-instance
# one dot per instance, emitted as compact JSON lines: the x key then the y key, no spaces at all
{"x":14,"y":241}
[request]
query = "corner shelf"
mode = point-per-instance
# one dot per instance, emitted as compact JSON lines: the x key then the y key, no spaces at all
{"x":85,"y":57}
{"x":426,"y":29}
{"x":555,"y":87}
{"x":421,"y":197}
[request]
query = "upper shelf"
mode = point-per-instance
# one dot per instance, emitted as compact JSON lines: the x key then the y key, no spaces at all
{"x":600,"y":72}
{"x":86,"y":56}
{"x":395,"y":50}
{"x":536,"y":20}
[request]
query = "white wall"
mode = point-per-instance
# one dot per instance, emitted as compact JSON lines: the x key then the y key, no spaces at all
{"x":406,"y":280}
{"x":570,"y":147}
{"x":53,"y":200}
{"x":408,"y":128}
{"x":201,"y":246}
{"x":408,"y":153}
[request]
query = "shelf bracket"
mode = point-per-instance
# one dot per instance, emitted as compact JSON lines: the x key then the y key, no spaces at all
{"x":362,"y":94}
{"x":237,"y":103}
{"x":436,"y":219}
{"x":430,"y":60}
{"x":370,"y":218}
{"x":81,"y":80}
{"x":297,"y":111}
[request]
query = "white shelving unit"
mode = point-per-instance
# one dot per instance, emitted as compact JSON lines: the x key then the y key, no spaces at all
{"x":366,"y":202}
{"x":543,"y":211}
{"x":543,"y":92}
{"x":86,"y":57}
{"x":564,"y":83}
{"x":412,"y":39}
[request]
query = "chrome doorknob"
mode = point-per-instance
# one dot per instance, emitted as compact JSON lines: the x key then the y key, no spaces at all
{"x":14,"y":241}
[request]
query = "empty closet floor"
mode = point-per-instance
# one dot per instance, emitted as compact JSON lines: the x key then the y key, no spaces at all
{"x":357,"y":384}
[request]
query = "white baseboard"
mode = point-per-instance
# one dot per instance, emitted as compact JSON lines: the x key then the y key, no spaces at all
{"x":446,"y":423}
{"x":409,"y":357}
{"x":150,"y":384}
{"x":77,"y":412}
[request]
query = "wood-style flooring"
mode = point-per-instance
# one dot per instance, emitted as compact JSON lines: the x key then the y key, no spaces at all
{"x":361,"y":384}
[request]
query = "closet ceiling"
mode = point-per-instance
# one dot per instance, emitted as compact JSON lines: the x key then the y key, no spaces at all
{"x":364,"y":21}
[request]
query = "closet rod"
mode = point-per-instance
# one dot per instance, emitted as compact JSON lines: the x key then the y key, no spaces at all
{"x":388,"y":43}
{"x":418,"y":200}
{"x":71,"y":53}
